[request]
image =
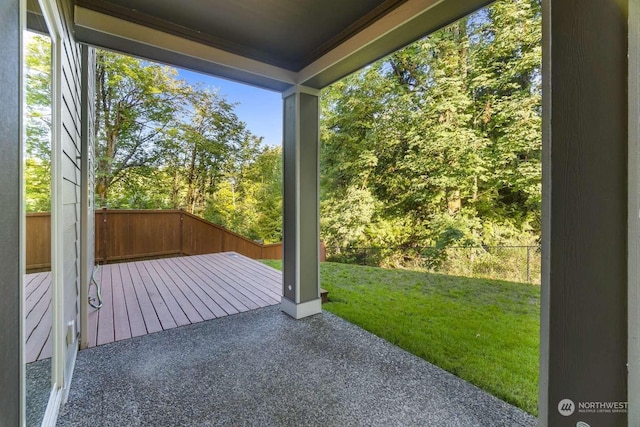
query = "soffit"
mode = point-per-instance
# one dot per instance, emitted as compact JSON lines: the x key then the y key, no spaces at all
{"x":35,"y":20}
{"x":273,"y":44}
{"x":285,"y":33}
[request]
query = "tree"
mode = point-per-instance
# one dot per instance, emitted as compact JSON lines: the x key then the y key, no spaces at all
{"x":249,"y":199}
{"x":136,"y":104}
{"x":264,"y":178}
{"x":207,"y":145}
{"x":439,"y":144}
{"x":38,"y":123}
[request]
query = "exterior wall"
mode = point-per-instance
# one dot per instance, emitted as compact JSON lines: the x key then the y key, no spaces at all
{"x":11,"y":368}
{"x":584,"y":304}
{"x":87,"y":219}
{"x":71,"y":176}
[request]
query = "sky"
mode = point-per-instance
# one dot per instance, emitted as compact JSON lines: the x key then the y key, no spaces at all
{"x":260,"y":109}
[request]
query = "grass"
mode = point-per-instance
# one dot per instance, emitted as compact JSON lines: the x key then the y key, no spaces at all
{"x":484,"y":331}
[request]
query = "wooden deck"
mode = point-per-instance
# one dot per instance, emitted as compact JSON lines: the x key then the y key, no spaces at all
{"x":149,"y":296}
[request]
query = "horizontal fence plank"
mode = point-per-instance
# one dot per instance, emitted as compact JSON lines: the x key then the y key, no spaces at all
{"x":123,"y":235}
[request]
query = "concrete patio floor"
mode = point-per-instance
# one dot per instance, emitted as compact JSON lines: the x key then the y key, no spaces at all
{"x":263,"y":368}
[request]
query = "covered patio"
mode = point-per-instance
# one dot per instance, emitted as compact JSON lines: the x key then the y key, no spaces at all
{"x":273,"y":366}
{"x":264,"y":368}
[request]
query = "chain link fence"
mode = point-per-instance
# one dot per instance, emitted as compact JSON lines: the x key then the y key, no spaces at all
{"x":512,"y":263}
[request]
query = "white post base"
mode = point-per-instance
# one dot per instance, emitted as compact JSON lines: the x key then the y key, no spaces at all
{"x":304,"y":309}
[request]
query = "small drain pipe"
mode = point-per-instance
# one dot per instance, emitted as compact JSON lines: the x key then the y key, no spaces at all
{"x":92,"y":300}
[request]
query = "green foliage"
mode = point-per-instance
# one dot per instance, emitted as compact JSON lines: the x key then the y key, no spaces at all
{"x":484,"y":331}
{"x":350,"y":218}
{"x":38,"y":123}
{"x":440,"y":142}
{"x":249,"y":200}
{"x":514,"y":263}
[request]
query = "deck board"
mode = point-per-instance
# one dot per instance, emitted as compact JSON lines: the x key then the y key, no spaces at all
{"x":177,"y":313}
{"x":221,"y":298}
{"x":188,"y":311}
{"x":235,"y":276}
{"x":235,"y":280}
{"x":40,"y":330}
{"x":160,"y":307}
{"x":249,"y":265}
{"x":106,"y":332}
{"x":36,"y":319}
{"x":252,"y":274}
{"x":150,"y":296}
{"x":46,"y":349}
{"x":221,"y":286}
{"x":215,"y":305}
{"x":121,"y":324}
{"x":189,"y":291}
{"x":134,"y":312}
{"x":36,"y":294}
{"x":33,"y":282}
{"x":149,"y":315}
{"x":259,"y":275}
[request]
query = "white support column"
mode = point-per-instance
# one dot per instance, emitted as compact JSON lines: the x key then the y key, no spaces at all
{"x":301,"y":212}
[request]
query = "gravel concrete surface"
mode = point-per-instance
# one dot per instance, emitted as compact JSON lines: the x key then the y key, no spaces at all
{"x":262,"y":368}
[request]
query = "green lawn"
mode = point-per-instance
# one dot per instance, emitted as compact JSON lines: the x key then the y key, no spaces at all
{"x":484,"y":331}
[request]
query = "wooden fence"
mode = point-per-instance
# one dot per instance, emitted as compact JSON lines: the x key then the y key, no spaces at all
{"x":38,"y":241}
{"x":139,"y":234}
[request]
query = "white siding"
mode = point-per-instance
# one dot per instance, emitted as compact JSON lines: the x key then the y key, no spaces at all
{"x":71,"y":143}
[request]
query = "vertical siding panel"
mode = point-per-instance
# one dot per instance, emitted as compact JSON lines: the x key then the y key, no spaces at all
{"x":71,"y":125}
{"x":87,"y":218}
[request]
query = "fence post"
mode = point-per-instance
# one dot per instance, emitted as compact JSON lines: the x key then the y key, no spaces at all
{"x":181,"y":232}
{"x":224,"y":240}
{"x":528,"y":264}
{"x":104,"y":235}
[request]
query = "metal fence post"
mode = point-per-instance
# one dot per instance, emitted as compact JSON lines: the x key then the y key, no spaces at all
{"x":528,"y":264}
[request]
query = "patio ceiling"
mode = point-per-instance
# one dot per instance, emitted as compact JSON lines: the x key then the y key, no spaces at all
{"x":273,"y":44}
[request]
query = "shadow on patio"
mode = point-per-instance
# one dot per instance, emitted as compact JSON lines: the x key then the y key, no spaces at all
{"x":263,"y":368}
